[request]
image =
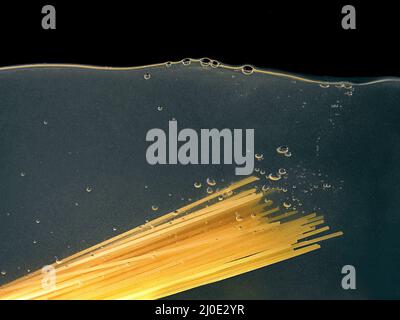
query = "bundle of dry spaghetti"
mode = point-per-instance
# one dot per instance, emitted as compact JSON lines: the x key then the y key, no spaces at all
{"x":204,"y":242}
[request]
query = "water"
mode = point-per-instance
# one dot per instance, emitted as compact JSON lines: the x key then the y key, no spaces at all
{"x":73,"y":150}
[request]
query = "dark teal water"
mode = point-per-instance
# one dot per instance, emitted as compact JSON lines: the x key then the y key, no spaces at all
{"x":66,"y":131}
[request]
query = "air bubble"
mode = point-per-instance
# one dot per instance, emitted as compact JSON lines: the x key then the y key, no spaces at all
{"x":238,"y":217}
{"x":45,"y":122}
{"x":3,"y":273}
{"x":273,"y":177}
{"x":22,"y":174}
{"x":215,"y":64}
{"x":287,"y":205}
{"x":247,"y":70}
{"x":37,"y":221}
{"x":211,"y":182}
{"x":154,"y":207}
{"x":89,"y":189}
{"x":168,"y":64}
{"x":210,"y":190}
{"x":259,"y":156}
{"x":186,"y":61}
{"x":160,"y":108}
{"x":197,"y":185}
{"x":347,"y":86}
{"x":265,"y":188}
{"x":205,"y":62}
{"x":228,"y":193}
{"x":282,"y":171}
{"x":147,"y":76}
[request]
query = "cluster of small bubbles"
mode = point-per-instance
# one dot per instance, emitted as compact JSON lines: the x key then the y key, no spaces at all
{"x":211,"y":182}
{"x":259,"y":156}
{"x":247,"y":70}
{"x":89,"y":189}
{"x":160,"y":108}
{"x":348,"y":93}
{"x":287,"y":205}
{"x":324,"y":85}
{"x":197,"y":185}
{"x":209,"y":190}
{"x":205,"y":62}
{"x":273,"y":177}
{"x":154,"y":207}
{"x":186,"y":61}
{"x":147,"y":76}
{"x":22,"y":174}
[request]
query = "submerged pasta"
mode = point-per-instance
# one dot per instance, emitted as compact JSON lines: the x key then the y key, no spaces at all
{"x":203,"y":242}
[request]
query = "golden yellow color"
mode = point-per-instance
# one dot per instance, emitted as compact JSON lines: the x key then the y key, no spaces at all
{"x":206,"y":241}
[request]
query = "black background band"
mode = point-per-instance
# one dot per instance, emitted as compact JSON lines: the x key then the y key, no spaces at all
{"x":290,"y":36}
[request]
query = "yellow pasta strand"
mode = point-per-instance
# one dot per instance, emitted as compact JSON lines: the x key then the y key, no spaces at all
{"x":203,"y":242}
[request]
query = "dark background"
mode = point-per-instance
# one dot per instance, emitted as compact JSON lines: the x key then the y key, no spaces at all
{"x":292,"y":37}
